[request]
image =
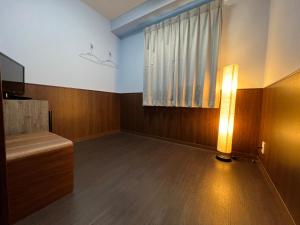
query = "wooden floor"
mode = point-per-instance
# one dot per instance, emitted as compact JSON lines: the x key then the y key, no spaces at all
{"x":131,"y":180}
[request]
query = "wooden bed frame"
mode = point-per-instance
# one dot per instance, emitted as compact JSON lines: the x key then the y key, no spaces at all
{"x":39,"y":171}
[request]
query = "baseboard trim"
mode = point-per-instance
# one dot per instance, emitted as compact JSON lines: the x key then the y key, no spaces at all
{"x":203,"y":147}
{"x":273,"y":187}
{"x":96,"y":136}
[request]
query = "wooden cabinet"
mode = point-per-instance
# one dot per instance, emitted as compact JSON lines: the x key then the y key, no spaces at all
{"x":39,"y":171}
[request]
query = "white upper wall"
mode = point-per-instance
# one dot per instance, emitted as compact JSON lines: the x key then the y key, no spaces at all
{"x":283,"y":53}
{"x":47,"y":37}
{"x":244,"y":41}
{"x":131,"y":64}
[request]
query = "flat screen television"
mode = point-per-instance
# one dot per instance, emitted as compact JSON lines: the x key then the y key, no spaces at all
{"x":12,"y":74}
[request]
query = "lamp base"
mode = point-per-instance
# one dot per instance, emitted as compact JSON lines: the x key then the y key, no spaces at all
{"x":223,"y":158}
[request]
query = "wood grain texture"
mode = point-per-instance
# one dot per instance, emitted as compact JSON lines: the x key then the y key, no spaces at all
{"x":25,"y":145}
{"x":132,"y":180}
{"x":28,"y":116}
{"x":79,"y":114}
{"x":247,"y":120}
{"x":280,"y":129}
{"x":39,"y":171}
{"x":3,"y":181}
{"x":195,"y":126}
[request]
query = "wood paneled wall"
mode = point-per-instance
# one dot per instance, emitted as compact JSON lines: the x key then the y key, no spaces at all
{"x":196,"y":126}
{"x":79,"y":114}
{"x":280,"y":129}
{"x":3,"y":181}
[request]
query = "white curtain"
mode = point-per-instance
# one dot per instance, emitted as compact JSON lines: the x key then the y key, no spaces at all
{"x":181,"y":59}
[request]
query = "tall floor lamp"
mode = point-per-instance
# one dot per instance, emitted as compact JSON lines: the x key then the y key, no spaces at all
{"x":229,"y":87}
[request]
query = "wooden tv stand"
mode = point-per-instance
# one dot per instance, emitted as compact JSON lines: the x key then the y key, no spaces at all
{"x":39,"y":171}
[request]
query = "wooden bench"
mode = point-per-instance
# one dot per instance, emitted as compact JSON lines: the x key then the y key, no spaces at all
{"x":39,"y":171}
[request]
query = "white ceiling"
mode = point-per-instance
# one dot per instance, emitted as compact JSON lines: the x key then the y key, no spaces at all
{"x":113,"y":8}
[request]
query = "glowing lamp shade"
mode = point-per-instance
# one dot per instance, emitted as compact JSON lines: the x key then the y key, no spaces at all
{"x":229,"y":87}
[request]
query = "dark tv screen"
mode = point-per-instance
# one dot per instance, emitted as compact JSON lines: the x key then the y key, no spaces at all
{"x":12,"y":74}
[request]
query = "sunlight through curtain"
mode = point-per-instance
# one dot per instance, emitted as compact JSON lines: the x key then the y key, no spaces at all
{"x":181,"y":59}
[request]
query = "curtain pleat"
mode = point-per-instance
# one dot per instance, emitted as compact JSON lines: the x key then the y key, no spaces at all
{"x":181,"y":59}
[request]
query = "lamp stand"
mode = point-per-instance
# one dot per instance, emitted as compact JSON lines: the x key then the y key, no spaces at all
{"x":223,"y":157}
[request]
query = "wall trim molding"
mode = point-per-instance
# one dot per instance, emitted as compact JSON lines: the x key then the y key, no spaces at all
{"x":273,"y":187}
{"x":199,"y":146}
{"x":96,"y":136}
{"x":74,"y":88}
{"x":283,"y":78}
{"x":138,"y":92}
